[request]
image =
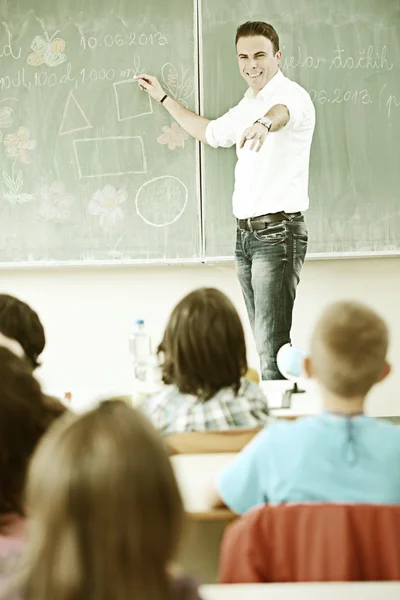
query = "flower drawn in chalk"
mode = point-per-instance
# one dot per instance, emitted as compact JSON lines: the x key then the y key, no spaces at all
{"x":6,"y":119}
{"x":18,"y":144}
{"x":106,"y":204}
{"x":178,"y":85}
{"x":54,"y":202}
{"x":49,"y":51}
{"x":174,"y":136}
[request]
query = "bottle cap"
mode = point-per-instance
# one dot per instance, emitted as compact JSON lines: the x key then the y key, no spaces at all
{"x":139,"y":322}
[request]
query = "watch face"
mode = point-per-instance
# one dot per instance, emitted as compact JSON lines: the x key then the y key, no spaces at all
{"x":265,"y":121}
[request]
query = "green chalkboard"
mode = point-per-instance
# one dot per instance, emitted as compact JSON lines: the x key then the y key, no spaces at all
{"x":91,"y":170}
{"x":346,"y":53}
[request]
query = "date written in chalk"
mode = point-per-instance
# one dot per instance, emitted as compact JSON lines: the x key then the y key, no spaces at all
{"x":118,"y":40}
{"x":338,"y":96}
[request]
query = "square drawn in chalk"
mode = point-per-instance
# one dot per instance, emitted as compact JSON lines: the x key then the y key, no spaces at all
{"x":130,"y":101}
{"x":103,"y":157}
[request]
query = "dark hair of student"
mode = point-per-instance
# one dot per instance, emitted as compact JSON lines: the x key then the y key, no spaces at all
{"x":20,"y":322}
{"x":203,"y":348}
{"x":24,"y":418}
{"x":253,"y":28}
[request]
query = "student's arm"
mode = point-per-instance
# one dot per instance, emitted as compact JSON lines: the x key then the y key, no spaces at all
{"x":240,"y":485}
{"x":194,"y":125}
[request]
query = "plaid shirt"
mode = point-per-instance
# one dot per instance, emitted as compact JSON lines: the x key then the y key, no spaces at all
{"x":173,"y":412}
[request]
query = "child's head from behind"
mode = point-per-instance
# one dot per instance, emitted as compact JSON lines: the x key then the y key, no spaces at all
{"x":204,"y":346}
{"x":105,"y":510}
{"x":23,"y":420}
{"x":18,"y":321}
{"x":348,"y":350}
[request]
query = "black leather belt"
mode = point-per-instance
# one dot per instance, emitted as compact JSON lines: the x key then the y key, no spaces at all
{"x":263,"y":221}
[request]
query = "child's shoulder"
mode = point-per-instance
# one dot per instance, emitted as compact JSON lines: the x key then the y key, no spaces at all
{"x":161,"y":398}
{"x":250,"y":388}
{"x":385,"y":427}
{"x":302,"y":427}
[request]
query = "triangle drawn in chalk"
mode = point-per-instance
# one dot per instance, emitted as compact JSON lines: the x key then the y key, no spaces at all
{"x":73,"y":113}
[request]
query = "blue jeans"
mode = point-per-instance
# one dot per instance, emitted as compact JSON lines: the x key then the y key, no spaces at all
{"x":268,"y":265}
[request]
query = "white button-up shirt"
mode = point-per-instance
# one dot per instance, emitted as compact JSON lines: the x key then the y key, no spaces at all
{"x":276,"y":177}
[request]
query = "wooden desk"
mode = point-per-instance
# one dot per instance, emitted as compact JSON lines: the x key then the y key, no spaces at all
{"x":197,"y":475}
{"x":303,"y":591}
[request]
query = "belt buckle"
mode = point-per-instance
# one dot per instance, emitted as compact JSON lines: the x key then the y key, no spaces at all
{"x":249,"y":224}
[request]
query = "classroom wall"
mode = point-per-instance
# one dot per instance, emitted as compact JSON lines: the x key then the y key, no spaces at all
{"x":88,"y":314}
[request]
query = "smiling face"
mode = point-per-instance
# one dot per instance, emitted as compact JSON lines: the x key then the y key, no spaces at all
{"x":258,"y":62}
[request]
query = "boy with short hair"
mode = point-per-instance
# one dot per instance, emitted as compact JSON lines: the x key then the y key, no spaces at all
{"x":339,"y":455}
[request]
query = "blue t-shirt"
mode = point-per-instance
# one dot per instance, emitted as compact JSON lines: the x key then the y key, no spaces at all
{"x":324,"y":458}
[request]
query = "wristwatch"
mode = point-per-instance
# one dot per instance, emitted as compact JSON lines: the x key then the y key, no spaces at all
{"x":265,"y":121}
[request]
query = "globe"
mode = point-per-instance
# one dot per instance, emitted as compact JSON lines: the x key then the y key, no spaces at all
{"x":290,"y":361}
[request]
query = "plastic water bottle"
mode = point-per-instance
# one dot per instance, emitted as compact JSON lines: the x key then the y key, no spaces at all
{"x":146,"y":380}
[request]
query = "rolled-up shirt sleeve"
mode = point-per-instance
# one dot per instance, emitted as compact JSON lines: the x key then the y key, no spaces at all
{"x":221,"y":132}
{"x":300,"y":107}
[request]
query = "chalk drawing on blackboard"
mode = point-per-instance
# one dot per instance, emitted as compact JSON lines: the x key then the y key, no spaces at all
{"x":6,"y":119}
{"x":17,"y":148}
{"x":49,"y":51}
{"x":174,"y":136}
{"x":130,"y":102}
{"x":179,"y":86}
{"x":161,"y":201}
{"x":131,"y":72}
{"x":106,"y":205}
{"x":73,"y":113}
{"x":54,"y":202}
{"x":109,"y":156}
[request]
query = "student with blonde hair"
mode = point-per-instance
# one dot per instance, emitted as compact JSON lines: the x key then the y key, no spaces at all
{"x":105,"y":513}
{"x":203,"y":362}
{"x":339,"y":455}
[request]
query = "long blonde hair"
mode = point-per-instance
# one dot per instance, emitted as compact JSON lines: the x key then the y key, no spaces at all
{"x":104,"y":511}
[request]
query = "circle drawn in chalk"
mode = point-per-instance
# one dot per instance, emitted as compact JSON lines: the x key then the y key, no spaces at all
{"x":161,"y":201}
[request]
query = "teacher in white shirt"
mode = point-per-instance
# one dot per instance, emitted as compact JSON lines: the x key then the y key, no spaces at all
{"x":272,"y":127}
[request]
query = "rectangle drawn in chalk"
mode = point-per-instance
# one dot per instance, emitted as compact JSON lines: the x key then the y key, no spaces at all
{"x":130,"y":101}
{"x":107,"y":156}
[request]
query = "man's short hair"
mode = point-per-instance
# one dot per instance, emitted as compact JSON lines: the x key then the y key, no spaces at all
{"x":20,"y":322}
{"x":253,"y":28}
{"x":348,"y":349}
